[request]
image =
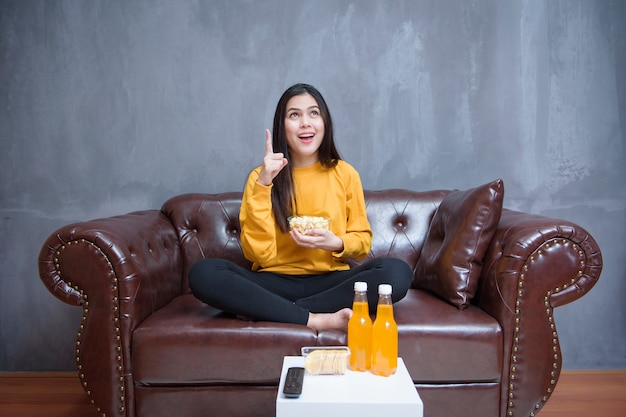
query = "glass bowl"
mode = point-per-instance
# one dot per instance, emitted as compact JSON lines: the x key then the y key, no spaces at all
{"x":305,"y":223}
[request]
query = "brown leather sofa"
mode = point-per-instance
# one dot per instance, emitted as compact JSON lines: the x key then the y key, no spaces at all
{"x":476,"y":331}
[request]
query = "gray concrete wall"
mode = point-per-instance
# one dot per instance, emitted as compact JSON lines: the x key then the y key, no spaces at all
{"x":112,"y":106}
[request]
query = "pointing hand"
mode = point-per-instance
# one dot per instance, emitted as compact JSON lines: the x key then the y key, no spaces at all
{"x":273,"y":163}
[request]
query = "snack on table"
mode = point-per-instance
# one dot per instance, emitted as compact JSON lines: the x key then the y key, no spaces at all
{"x":327,"y":362}
{"x":305,"y":223}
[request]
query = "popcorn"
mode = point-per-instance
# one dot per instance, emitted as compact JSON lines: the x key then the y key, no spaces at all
{"x":305,"y":223}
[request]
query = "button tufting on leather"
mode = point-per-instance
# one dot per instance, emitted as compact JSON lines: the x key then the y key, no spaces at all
{"x":400,"y":223}
{"x":232,"y":228}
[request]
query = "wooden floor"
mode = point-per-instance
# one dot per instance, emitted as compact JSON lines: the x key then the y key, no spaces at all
{"x":578,"y":394}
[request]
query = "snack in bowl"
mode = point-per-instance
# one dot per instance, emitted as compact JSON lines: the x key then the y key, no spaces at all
{"x":326,"y":360}
{"x":305,"y":223}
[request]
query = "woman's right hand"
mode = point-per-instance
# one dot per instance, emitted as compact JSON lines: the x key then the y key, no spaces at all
{"x":273,"y":163}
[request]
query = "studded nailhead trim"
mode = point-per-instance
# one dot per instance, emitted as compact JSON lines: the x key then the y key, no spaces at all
{"x":555,"y":345}
{"x":116,"y":323}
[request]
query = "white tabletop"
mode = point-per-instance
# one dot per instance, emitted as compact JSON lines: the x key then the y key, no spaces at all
{"x":353,"y":393}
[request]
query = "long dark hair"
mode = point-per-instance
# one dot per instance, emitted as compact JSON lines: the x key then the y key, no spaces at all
{"x":284,"y":202}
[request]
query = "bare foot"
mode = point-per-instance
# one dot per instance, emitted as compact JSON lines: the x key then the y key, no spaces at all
{"x":325,"y":321}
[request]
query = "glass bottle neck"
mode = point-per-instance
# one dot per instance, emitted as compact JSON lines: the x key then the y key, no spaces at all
{"x":360,"y":307}
{"x":384,"y":308}
{"x":384,"y":299}
{"x":360,"y":296}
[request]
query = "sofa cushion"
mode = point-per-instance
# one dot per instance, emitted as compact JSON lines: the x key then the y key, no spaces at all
{"x":444,"y":345}
{"x":451,"y":260}
{"x":190,"y":343}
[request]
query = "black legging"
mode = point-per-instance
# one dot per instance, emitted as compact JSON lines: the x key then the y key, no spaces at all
{"x":289,"y":298}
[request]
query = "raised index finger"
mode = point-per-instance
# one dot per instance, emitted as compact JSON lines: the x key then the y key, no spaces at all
{"x":269,"y":149}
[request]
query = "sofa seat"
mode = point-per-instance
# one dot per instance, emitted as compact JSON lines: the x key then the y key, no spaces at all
{"x":175,"y":345}
{"x":442,"y":344}
{"x":179,"y":343}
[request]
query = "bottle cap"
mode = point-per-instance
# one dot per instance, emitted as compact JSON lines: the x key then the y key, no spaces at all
{"x":360,"y":286}
{"x":384,"y":289}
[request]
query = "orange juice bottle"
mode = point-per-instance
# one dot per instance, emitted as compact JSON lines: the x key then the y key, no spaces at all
{"x":384,"y":335}
{"x":360,"y":330}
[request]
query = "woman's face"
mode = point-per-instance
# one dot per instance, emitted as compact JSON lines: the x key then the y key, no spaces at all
{"x":304,"y":128}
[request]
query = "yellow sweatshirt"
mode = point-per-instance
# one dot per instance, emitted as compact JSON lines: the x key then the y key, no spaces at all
{"x":334,"y":192}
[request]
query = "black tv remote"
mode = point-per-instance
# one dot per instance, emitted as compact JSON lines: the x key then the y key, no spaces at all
{"x":293,"y":382}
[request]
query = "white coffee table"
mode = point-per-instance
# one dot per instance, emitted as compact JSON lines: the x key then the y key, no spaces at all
{"x":360,"y":394}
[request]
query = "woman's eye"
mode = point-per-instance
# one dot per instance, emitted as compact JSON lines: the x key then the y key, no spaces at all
{"x":315,"y":113}
{"x":293,"y":115}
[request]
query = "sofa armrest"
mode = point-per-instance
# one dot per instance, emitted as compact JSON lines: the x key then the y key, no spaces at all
{"x":120,"y":270}
{"x":533,"y":265}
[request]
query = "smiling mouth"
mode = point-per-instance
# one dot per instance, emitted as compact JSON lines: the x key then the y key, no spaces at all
{"x":306,"y":138}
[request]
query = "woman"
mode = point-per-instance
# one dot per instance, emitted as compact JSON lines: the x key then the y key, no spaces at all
{"x":295,"y":277}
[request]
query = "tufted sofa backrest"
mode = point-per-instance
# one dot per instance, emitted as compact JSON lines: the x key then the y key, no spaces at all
{"x":208,"y":224}
{"x":400,"y":220}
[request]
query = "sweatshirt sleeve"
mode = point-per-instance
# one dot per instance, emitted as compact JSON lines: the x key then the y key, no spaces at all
{"x":357,"y":241}
{"x":258,"y":228}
